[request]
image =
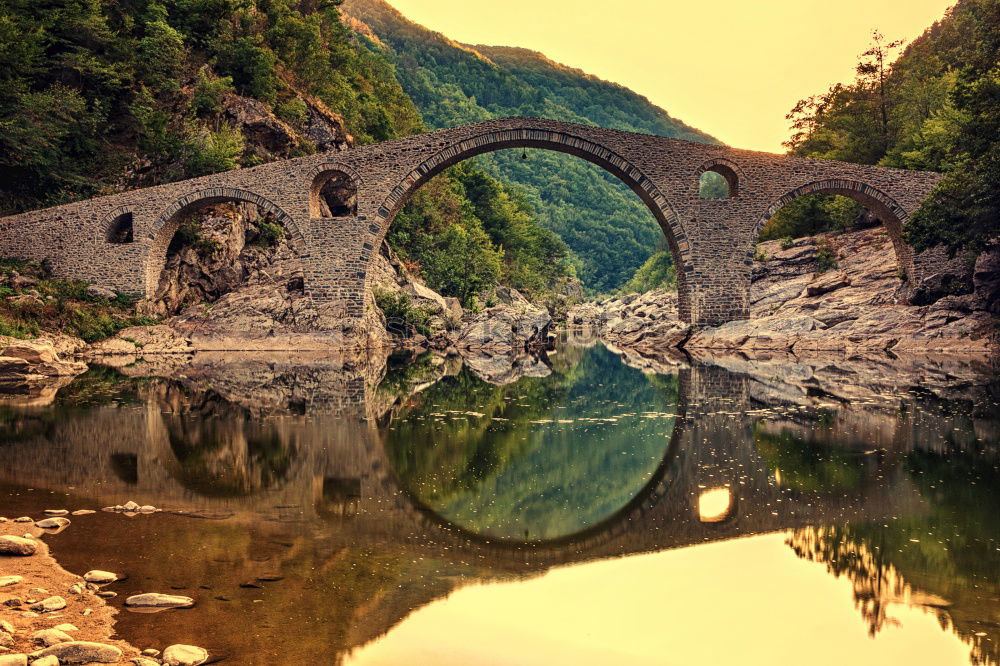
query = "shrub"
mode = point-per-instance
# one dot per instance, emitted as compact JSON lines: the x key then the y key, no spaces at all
{"x":787,"y":242}
{"x":402,"y":318}
{"x":760,"y":255}
{"x":826,"y":255}
{"x":209,"y":92}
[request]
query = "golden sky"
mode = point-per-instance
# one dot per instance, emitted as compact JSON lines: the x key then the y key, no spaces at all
{"x":750,"y":601}
{"x":732,"y":68}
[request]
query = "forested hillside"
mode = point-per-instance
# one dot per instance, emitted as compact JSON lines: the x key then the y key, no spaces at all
{"x":608,"y":228}
{"x":98,"y":97}
{"x":935,"y":105}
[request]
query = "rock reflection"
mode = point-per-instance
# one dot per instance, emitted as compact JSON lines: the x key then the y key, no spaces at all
{"x":378,"y":487}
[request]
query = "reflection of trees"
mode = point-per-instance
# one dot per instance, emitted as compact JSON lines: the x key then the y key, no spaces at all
{"x":223,"y":452}
{"x":808,"y":466}
{"x":946,"y":561}
{"x":534,"y":457}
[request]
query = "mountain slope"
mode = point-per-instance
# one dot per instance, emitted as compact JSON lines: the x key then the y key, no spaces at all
{"x":608,"y":228}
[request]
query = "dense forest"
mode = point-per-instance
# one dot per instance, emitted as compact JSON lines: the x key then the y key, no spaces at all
{"x":934,"y":105}
{"x":609,"y":230}
{"x":98,"y":97}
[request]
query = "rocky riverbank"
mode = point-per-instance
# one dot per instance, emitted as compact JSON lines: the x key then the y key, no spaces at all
{"x":833,"y":292}
{"x":49,"y":616}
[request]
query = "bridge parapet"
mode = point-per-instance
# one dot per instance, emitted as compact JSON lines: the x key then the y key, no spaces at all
{"x":711,"y":241}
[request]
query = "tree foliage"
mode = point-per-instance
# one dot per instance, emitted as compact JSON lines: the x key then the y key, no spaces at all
{"x":602,"y":221}
{"x":936,"y":107}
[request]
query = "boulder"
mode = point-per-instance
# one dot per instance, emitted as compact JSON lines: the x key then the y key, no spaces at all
{"x":81,"y":652}
{"x":824,"y":283}
{"x":13,"y":660}
{"x":185,"y":655}
{"x":26,"y":358}
{"x":99,"y":577}
{"x":95,"y":291}
{"x":153,"y":600}
{"x":15,"y":545}
{"x":48,"y":637}
{"x":53,"y":523}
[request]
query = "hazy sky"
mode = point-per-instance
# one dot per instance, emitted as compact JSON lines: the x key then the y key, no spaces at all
{"x":732,"y":68}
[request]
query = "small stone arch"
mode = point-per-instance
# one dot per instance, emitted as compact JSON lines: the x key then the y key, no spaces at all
{"x":118,"y":227}
{"x":728,"y":169}
{"x":892,"y":215}
{"x":163,"y":229}
{"x":333,"y":191}
{"x":495,"y":140}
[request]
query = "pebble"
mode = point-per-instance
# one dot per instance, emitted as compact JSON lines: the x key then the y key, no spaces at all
{"x":53,"y":523}
{"x":156,"y":600}
{"x":82,"y":652}
{"x":48,"y":637}
{"x":14,"y":660}
{"x":151,"y":653}
{"x":87,"y":611}
{"x":107,"y":595}
{"x":147,"y":508}
{"x":12,"y":545}
{"x":50,"y":605}
{"x":185,"y":655}
{"x":99,"y":577}
{"x":56,"y":512}
{"x":10,"y":580}
{"x":144,"y":661}
{"x":76,"y":588}
{"x":83,"y":512}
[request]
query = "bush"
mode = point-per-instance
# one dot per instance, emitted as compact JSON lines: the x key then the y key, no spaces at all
{"x":268,"y":233}
{"x":826,"y":255}
{"x":402,"y":318}
{"x":209,"y":92}
{"x":787,"y":242}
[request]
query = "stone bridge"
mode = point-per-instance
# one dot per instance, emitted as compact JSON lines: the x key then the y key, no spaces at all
{"x":120,"y":241}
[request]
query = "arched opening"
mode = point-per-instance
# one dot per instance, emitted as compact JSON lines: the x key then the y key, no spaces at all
{"x":719,"y":179}
{"x":334,"y":193}
{"x":823,"y":237}
{"x":208,"y":245}
{"x":715,"y":505}
{"x":121,"y":230}
{"x":526,"y":146}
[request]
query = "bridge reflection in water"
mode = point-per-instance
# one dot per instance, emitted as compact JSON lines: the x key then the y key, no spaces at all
{"x":375,"y":488}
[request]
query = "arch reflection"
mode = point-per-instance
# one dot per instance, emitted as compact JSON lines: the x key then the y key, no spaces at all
{"x":541,"y":460}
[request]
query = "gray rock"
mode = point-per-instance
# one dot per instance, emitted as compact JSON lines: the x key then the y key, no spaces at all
{"x":100,"y":577}
{"x":14,"y":545}
{"x":185,"y":655}
{"x":53,"y":523}
{"x":48,"y":637}
{"x":82,"y":652}
{"x":50,"y":605}
{"x":156,"y":600}
{"x":100,"y":292}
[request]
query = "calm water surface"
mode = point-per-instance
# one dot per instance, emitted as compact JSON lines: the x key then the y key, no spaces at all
{"x":574,"y":508}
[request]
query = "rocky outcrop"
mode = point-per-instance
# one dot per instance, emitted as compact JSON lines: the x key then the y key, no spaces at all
{"x":644,"y":322}
{"x":856,"y":306}
{"x":513,"y":325}
{"x":26,"y":362}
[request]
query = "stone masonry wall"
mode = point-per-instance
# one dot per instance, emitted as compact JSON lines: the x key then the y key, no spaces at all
{"x":712,"y":240}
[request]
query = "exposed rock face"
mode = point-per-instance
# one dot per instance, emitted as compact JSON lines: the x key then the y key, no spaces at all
{"x":271,"y":138}
{"x":29,"y":363}
{"x":854,"y":307}
{"x":512,"y":326}
{"x":646,"y":322}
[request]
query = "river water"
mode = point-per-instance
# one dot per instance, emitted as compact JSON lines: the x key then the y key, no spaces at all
{"x":578,"y":507}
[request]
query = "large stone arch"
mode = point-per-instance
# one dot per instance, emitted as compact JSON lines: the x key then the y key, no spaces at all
{"x":610,"y":161}
{"x":163,"y":229}
{"x":892,"y":215}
